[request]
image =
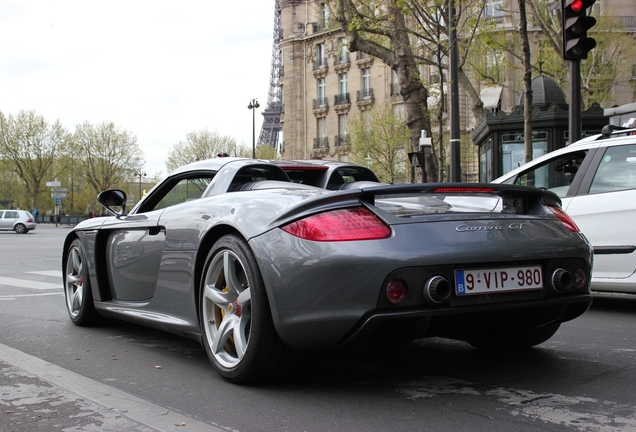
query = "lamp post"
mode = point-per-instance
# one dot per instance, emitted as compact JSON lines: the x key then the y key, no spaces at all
{"x":140,"y":174}
{"x":252,"y":106}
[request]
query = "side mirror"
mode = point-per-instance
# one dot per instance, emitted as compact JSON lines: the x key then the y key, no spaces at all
{"x":113,"y":198}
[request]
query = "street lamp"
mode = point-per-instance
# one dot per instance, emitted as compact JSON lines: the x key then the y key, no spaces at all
{"x":252,"y":106}
{"x":140,"y":174}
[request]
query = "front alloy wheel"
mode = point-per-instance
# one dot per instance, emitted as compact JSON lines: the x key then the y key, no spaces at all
{"x":77,"y":287}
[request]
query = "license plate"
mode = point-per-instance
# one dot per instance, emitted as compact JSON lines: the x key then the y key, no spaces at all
{"x":493,"y":280}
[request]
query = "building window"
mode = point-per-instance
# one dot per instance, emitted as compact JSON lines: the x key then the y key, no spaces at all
{"x":395,"y":83}
{"x":324,"y":16}
{"x":321,"y":133}
{"x":322,"y":92}
{"x":493,"y":8}
{"x":343,"y":50}
{"x":343,"y":132}
{"x":366,"y":91}
{"x":321,"y":56}
{"x":343,"y":83}
{"x":436,"y":74}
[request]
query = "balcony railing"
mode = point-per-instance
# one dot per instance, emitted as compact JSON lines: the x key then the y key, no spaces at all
{"x":341,"y":140}
{"x":342,"y":58}
{"x":321,"y":142}
{"x":365,"y":94}
{"x":320,"y":63}
{"x":341,"y":99}
{"x":320,"y":103}
{"x":629,"y":22}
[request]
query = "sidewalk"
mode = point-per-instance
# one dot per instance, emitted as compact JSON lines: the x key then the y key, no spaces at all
{"x":39,"y":396}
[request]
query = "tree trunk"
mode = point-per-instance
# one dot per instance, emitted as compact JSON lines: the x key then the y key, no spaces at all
{"x":527,"y":81}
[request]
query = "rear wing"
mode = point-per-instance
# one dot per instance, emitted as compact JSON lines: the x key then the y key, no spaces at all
{"x":419,"y":199}
{"x":404,"y":200}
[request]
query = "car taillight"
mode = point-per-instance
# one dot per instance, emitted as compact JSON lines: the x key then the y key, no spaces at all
{"x":358,"y":223}
{"x":464,"y":189}
{"x":29,"y":220}
{"x":564,"y":218}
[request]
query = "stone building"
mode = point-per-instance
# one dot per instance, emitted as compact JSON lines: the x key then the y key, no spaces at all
{"x":323,"y":84}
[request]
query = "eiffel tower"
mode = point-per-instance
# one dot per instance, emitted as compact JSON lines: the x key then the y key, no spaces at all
{"x":271,"y":122}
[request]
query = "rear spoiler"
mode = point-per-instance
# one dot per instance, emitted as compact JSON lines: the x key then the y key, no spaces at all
{"x":507,"y":192}
{"x":517,"y":199}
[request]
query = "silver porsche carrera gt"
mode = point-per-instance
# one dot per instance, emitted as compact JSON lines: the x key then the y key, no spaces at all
{"x":231,"y":253}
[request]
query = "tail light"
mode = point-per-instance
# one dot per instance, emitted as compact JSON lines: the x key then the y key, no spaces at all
{"x":467,"y":189}
{"x":358,"y":223}
{"x":564,"y":218}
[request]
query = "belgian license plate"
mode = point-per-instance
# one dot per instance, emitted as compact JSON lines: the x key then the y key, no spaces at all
{"x":492,"y":280}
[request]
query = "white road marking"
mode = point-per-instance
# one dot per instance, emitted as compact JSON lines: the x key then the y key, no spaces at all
{"x":23,"y":283}
{"x":14,"y":297}
{"x":572,"y":412}
{"x":115,"y":401}
{"x":54,"y":273}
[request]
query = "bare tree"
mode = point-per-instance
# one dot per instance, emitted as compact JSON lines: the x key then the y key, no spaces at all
{"x":382,"y":31}
{"x":32,"y":145}
{"x":105,"y":155}
{"x":200,"y":145}
{"x":379,"y":138}
{"x":527,"y":81}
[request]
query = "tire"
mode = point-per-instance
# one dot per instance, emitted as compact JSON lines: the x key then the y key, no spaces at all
{"x":20,"y":228}
{"x":77,"y":288}
{"x":237,"y":329}
{"x":519,"y":339}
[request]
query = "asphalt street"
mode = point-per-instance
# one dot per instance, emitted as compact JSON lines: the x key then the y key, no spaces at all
{"x":59,"y":377}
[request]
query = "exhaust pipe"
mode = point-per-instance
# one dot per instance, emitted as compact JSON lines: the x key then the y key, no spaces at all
{"x":561,"y":280}
{"x":437,"y":290}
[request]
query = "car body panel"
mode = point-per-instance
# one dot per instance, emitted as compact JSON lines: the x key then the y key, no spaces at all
{"x":147,"y":266}
{"x":603,"y":210}
{"x":351,"y":274}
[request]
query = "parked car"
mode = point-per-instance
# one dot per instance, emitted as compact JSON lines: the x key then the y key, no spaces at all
{"x":596,"y":181}
{"x":332,"y":175}
{"x":20,"y":221}
{"x":231,"y":253}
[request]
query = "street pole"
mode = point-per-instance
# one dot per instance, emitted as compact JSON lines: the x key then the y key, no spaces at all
{"x":574,"y":119}
{"x":252,"y":106}
{"x":455,"y":148}
{"x":140,"y":174}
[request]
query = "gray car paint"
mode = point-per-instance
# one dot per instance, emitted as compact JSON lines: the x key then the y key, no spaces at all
{"x":318,"y":291}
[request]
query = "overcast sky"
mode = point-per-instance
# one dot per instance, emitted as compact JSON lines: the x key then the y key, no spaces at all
{"x":159,"y":69}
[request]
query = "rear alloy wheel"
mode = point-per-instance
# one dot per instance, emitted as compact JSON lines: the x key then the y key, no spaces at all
{"x":238,"y":332}
{"x":519,"y":339}
{"x":77,"y":288}
{"x":20,"y":228}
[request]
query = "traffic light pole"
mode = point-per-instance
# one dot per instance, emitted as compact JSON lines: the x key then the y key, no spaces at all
{"x":574,"y":118}
{"x":455,"y":134}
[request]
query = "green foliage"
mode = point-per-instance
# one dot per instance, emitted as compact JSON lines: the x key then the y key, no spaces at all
{"x":32,"y":145}
{"x":200,"y":145}
{"x":105,"y":155}
{"x":379,"y":139}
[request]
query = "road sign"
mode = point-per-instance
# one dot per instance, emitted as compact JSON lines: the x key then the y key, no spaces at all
{"x":58,"y":195}
{"x":55,"y":183}
{"x":57,"y":200}
{"x":59,"y":189}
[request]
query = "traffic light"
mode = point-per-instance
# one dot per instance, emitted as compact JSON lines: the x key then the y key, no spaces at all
{"x":575,"y":24}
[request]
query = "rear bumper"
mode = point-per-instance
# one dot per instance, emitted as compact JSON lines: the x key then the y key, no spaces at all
{"x":459,"y":323}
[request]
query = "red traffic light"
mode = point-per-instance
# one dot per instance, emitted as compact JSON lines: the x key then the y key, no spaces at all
{"x":575,"y":23}
{"x":577,"y":5}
